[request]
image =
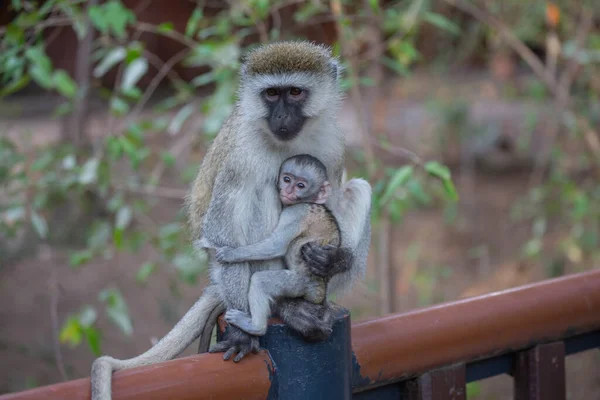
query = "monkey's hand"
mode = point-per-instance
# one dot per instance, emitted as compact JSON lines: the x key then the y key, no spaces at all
{"x":237,"y":341}
{"x":225,"y":254}
{"x":320,"y":259}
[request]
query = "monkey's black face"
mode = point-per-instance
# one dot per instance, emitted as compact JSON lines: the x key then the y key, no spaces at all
{"x":285,"y":106}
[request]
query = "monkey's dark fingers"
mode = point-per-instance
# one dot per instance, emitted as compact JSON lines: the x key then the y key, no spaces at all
{"x":312,"y":253}
{"x":230,"y":352}
{"x":220,"y":347}
{"x":242,"y":354}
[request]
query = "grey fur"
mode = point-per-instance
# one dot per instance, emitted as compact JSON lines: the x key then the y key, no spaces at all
{"x":243,"y":209}
{"x":299,"y":224}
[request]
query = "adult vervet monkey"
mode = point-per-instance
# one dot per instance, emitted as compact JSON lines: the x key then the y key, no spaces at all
{"x":288,"y":103}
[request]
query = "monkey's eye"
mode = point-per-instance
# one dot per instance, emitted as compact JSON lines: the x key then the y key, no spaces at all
{"x":300,"y":185}
{"x":295,"y":91}
{"x":272,"y":92}
{"x":286,"y":179}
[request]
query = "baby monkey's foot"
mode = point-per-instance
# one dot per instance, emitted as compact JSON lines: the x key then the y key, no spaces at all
{"x":244,"y":322}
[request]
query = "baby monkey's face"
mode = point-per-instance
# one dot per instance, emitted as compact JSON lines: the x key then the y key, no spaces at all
{"x":295,"y":189}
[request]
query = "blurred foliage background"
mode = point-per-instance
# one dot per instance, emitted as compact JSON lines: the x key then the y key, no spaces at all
{"x":476,"y":122}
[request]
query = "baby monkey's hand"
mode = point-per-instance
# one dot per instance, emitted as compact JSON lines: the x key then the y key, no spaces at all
{"x":225,"y":254}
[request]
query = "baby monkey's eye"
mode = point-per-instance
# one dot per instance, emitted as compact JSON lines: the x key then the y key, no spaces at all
{"x":295,"y":91}
{"x":286,"y":179}
{"x":300,"y":185}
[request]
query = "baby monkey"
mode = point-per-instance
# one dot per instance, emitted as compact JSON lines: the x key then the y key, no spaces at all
{"x":303,"y":191}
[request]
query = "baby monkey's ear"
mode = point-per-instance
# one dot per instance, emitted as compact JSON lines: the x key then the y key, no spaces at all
{"x":324,"y":193}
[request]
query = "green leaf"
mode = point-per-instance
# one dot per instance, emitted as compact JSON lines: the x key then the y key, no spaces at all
{"x":123,"y":217}
{"x":28,"y":19}
{"x":166,"y":27}
{"x":41,"y":76}
{"x":144,"y":272}
{"x":366,"y":81}
{"x":134,"y":51}
{"x":89,"y":172}
{"x":395,"y":66}
{"x":118,"y":238}
{"x":168,"y":158}
{"x":178,"y":120}
{"x":92,"y":337}
{"x":13,"y":215}
{"x":15,"y":86}
{"x":73,"y":11}
{"x":16,"y":5}
{"x":87,"y":316}
{"x":39,"y":224}
{"x":416,"y":189}
{"x":399,"y":178}
{"x":134,"y":71}
{"x":14,"y":34}
{"x":450,"y":190}
{"x":64,"y":84}
{"x":374,"y":4}
{"x":98,"y":19}
{"x":43,"y":162}
{"x":438,"y":170}
{"x":532,"y":248}
{"x":203,"y":79}
{"x":111,"y":16}
{"x":118,"y":106}
{"x":116,"y":309}
{"x":442,"y":22}
{"x":78,"y":258}
{"x":71,"y":332}
{"x":113,"y":57}
{"x":442,"y":172}
{"x":192,"y":24}
{"x":539,"y":227}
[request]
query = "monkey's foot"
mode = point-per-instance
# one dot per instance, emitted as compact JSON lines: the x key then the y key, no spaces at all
{"x":238,"y":342}
{"x":313,"y":321}
{"x":244,"y":322}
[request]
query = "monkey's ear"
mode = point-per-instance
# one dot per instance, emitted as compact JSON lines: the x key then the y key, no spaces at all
{"x":324,"y":193}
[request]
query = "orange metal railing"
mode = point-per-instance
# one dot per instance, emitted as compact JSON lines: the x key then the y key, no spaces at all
{"x":389,"y":349}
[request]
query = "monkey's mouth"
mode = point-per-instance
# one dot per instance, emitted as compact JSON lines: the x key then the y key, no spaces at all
{"x":285,"y":134}
{"x":286,"y":201}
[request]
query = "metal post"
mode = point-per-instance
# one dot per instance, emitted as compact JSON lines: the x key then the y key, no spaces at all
{"x":309,"y":370}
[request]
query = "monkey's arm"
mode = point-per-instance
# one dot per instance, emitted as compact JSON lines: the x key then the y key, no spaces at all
{"x":273,"y":246}
{"x":353,"y":213}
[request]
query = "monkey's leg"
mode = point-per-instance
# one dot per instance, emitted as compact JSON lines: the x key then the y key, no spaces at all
{"x":265,"y":287}
{"x":234,"y":293}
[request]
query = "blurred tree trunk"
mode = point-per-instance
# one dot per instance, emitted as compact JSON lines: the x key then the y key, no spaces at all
{"x":75,"y":124}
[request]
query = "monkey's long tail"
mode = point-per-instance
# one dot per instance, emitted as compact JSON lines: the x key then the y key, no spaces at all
{"x":199,"y":320}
